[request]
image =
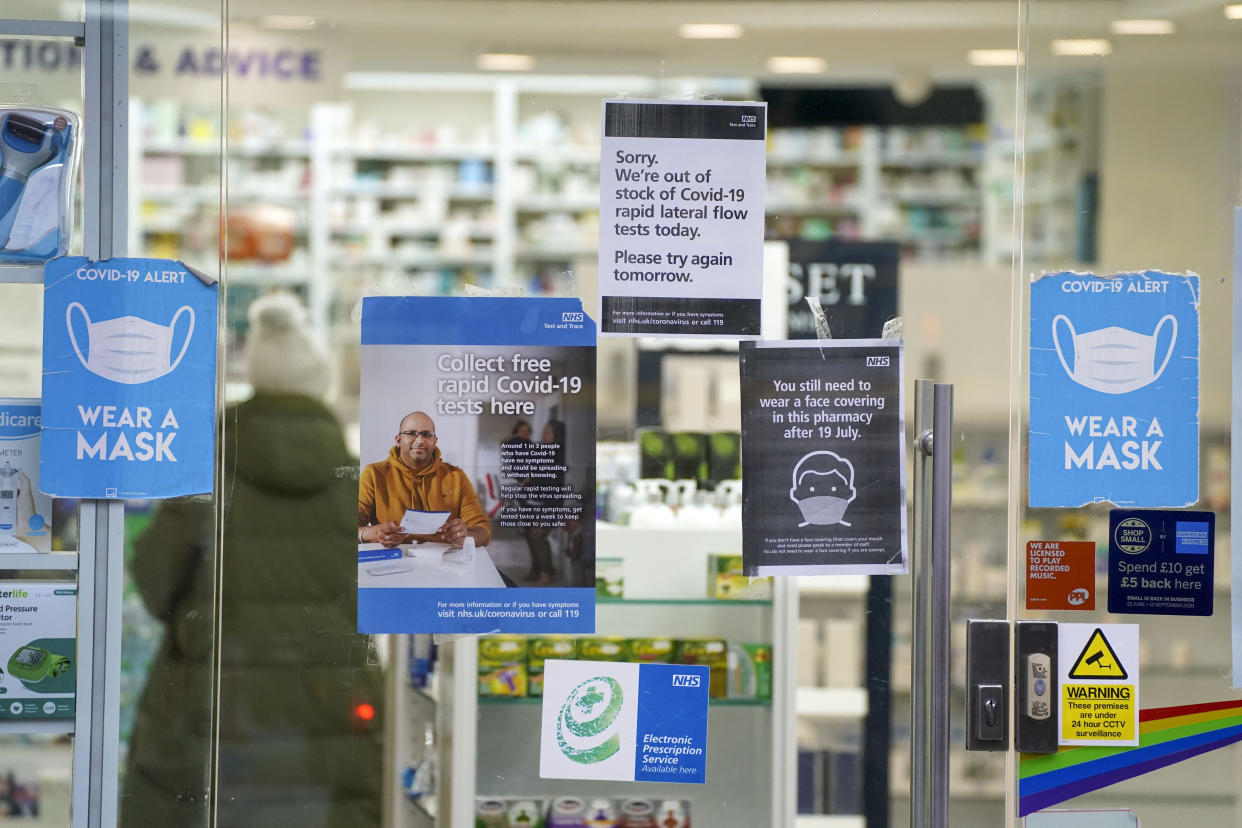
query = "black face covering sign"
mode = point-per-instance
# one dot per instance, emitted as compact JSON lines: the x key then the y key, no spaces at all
{"x":823,"y":458}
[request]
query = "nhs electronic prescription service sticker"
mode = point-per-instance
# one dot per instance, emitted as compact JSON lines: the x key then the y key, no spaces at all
{"x":624,"y":722}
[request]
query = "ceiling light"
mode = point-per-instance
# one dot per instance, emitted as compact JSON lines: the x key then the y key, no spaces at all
{"x":995,"y":57}
{"x":1143,"y":27}
{"x":709,"y":31}
{"x":1081,"y":47}
{"x":786,"y":65}
{"x":505,"y":62}
{"x":292,"y":22}
{"x":1234,"y":11}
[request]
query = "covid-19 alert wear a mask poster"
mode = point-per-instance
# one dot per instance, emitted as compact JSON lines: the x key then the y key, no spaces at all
{"x":1114,"y":400}
{"x":129,"y":379}
{"x":476,"y":488}
{"x":823,"y":458}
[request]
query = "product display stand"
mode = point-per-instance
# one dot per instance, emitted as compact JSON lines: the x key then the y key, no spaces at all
{"x":105,"y":38}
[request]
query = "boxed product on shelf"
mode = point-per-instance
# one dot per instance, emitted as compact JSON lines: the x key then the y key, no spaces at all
{"x":842,"y":652}
{"x":510,"y":813}
{"x":711,"y":652}
{"x":655,"y":454}
{"x":829,"y":782}
{"x":603,"y":648}
{"x":652,"y":650}
{"x":582,"y":812}
{"x":726,"y":580}
{"x":538,"y":651}
{"x":690,"y":456}
{"x":502,"y":666}
{"x":724,"y":459}
{"x":808,"y":653}
{"x":750,"y":671}
{"x":38,"y":148}
{"x":609,"y":577}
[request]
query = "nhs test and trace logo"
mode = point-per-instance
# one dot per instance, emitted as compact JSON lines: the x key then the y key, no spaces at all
{"x":686,"y":680}
{"x":572,"y":316}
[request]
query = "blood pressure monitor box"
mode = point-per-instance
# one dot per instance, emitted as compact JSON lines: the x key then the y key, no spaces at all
{"x":25,"y":512}
{"x":37,"y":650}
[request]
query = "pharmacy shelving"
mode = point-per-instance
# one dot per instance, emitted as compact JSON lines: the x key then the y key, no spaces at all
{"x":1060,"y":151}
{"x":530,"y":179}
{"x":665,"y":576}
{"x":47,"y":561}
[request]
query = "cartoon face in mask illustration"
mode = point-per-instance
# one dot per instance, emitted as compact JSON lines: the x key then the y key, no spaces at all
{"x":823,"y":487}
{"x":127,"y":349}
{"x":1114,"y":360}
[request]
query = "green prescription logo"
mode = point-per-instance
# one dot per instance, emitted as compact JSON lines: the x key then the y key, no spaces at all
{"x":585,"y":726}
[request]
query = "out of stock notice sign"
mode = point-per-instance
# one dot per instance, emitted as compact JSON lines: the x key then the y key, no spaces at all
{"x":681,"y":218}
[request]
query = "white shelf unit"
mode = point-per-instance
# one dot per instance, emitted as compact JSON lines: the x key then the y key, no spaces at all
{"x":751,"y":761}
{"x":831,"y":702}
{"x":828,"y":821}
{"x":39,"y":561}
{"x":1062,"y":147}
{"x":831,"y":718}
{"x":533,"y":194}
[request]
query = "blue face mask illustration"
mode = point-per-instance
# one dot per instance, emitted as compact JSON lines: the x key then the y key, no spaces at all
{"x":1114,"y":360}
{"x":128,"y":349}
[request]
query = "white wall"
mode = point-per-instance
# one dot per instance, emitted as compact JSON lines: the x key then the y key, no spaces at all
{"x":1170,"y":160}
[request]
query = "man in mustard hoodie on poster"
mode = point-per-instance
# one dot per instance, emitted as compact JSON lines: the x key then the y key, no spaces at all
{"x":415,"y":476}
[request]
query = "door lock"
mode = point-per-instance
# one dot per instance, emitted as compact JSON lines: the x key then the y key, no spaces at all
{"x":987,"y":682}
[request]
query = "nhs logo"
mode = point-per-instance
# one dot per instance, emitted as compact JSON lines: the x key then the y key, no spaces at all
{"x":571,"y":316}
{"x":685,"y":680}
{"x":877,"y":362}
{"x":750,"y":119}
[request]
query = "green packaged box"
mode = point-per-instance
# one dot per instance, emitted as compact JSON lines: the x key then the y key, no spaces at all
{"x":540,"y":650}
{"x":652,"y":650}
{"x":603,"y":648}
{"x":750,"y":671}
{"x":726,"y":581}
{"x":609,"y":578}
{"x":502,"y":665}
{"x":712,"y":653}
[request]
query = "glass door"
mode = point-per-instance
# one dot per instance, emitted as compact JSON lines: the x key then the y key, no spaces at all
{"x":1131,"y":152}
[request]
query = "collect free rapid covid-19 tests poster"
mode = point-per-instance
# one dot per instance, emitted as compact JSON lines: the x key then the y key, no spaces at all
{"x":477,"y":417}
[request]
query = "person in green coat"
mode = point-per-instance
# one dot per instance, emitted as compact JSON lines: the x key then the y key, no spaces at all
{"x":300,"y":692}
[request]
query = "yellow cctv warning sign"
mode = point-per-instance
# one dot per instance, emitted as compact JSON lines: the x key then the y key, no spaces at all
{"x":1099,"y":675}
{"x":1098,"y":713}
{"x":1098,"y":660}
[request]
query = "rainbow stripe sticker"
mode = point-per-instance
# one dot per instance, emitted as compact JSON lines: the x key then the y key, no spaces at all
{"x":1167,"y":735}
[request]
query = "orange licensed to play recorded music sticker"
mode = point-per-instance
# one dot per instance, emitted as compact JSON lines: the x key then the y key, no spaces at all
{"x":1060,"y":575}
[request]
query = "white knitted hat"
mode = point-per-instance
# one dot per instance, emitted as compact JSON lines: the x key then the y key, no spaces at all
{"x":281,"y":353}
